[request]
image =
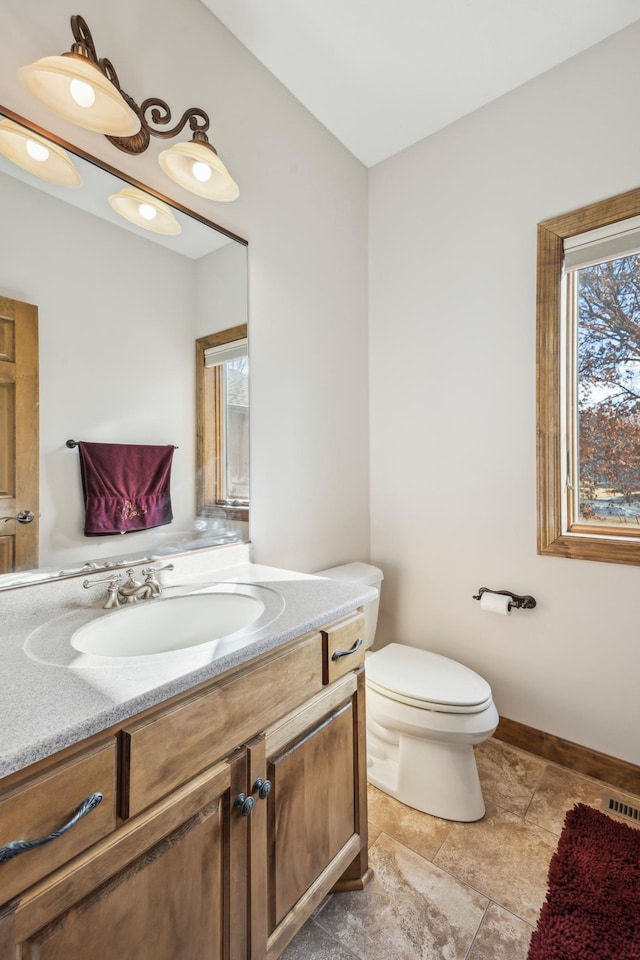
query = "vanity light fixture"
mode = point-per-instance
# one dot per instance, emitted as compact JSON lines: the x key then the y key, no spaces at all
{"x":37,"y":155}
{"x":85,"y":90}
{"x":145,"y":211}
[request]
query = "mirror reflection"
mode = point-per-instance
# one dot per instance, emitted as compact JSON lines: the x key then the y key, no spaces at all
{"x":118,"y":311}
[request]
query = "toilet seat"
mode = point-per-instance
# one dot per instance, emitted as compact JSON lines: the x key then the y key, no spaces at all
{"x":426,"y":680}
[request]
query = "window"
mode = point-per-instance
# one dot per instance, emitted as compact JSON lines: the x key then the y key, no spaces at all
{"x":222,"y":394}
{"x":588,"y":382}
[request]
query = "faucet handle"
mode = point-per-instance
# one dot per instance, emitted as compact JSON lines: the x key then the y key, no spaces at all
{"x":113,"y":600}
{"x":149,"y":571}
{"x":150,"y":578}
{"x":114,"y":579}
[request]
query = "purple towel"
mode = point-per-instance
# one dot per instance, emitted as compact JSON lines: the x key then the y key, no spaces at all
{"x":126,"y":487}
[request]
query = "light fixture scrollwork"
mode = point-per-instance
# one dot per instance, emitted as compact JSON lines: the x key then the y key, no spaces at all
{"x":86,"y":90}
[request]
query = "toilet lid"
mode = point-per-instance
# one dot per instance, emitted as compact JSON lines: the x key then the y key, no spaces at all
{"x":426,"y":680}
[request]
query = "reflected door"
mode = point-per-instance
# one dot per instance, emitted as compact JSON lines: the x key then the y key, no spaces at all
{"x":19,"y":458}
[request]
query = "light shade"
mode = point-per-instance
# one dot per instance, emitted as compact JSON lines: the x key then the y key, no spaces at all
{"x":198,"y":168}
{"x":37,"y":155}
{"x":76,"y":89}
{"x":145,"y":211}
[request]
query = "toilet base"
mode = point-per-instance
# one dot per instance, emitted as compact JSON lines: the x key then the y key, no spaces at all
{"x":437,"y":778}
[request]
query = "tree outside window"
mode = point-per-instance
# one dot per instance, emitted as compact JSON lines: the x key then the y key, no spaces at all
{"x":588,"y":382}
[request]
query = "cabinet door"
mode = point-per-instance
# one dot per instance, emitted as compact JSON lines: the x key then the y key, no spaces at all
{"x":165,"y":887}
{"x":315,"y":812}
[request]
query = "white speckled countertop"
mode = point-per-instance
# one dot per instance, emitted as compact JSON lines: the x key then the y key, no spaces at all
{"x":51,"y":700}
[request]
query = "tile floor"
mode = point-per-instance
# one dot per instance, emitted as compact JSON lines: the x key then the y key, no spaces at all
{"x":455,"y":891}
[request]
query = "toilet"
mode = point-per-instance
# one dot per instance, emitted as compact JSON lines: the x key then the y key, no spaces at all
{"x":425,"y":713}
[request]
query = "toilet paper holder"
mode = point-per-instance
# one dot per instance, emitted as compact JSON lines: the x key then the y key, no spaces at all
{"x":517,"y":602}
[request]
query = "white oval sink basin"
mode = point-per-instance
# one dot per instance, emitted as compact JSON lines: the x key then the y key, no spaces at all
{"x":162,"y":626}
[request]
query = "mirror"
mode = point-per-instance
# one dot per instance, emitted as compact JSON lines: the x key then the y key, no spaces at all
{"x":119,"y":311}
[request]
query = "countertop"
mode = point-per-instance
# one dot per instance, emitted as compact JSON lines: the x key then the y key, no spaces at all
{"x":51,"y":700}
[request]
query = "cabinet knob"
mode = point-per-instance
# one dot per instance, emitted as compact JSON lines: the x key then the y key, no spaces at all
{"x":262,"y":788}
{"x":244,"y":804}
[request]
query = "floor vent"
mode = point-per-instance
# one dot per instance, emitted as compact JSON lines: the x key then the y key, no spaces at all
{"x":621,"y":809}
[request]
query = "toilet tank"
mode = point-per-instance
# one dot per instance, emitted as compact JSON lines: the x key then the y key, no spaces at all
{"x":368,"y":575}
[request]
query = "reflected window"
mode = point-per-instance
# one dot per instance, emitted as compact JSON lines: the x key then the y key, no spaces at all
{"x":222,"y":386}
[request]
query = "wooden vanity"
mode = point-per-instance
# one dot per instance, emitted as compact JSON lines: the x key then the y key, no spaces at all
{"x":228,"y":813}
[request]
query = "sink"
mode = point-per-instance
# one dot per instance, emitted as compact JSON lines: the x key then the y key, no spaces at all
{"x":190,"y":625}
{"x":162,"y":626}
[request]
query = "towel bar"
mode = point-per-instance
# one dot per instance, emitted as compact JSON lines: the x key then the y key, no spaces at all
{"x":74,"y":443}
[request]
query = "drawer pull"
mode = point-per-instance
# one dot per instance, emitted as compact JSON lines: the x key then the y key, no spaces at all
{"x":16,"y":847}
{"x":345,"y":653}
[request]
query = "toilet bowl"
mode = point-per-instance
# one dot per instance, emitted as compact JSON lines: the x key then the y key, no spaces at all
{"x":425,"y":713}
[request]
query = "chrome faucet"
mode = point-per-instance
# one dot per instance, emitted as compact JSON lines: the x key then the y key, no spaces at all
{"x":132,"y":590}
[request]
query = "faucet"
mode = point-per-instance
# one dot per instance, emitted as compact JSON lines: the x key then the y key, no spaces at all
{"x":131,"y":590}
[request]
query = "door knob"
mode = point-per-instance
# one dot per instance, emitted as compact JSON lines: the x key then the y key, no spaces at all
{"x":25,"y":516}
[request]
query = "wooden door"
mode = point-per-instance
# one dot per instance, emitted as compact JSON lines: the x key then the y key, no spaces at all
{"x":19,"y":444}
{"x":169,"y":885}
{"x":315,"y":813}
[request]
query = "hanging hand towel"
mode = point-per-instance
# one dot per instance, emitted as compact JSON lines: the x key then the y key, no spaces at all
{"x":126,"y":487}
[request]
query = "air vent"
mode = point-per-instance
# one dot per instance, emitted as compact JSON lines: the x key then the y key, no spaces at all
{"x":611,"y":805}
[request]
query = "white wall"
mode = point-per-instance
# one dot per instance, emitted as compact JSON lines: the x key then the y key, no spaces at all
{"x":452,"y":291}
{"x":303,"y":209}
{"x":221,"y":289}
{"x":107,"y":301}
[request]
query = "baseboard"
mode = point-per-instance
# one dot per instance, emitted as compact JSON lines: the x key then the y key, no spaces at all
{"x":618,"y":773}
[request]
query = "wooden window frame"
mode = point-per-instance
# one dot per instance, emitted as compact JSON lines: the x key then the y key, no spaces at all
{"x":209,"y":415}
{"x":582,"y":542}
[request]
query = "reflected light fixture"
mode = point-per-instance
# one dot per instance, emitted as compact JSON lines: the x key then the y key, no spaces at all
{"x":85,"y":90}
{"x":37,"y":155}
{"x":145,"y":211}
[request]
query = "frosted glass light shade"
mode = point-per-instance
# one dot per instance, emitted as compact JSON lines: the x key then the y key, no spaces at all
{"x":179,"y":161}
{"x":62,"y":83}
{"x":145,"y":211}
{"x":37,"y":155}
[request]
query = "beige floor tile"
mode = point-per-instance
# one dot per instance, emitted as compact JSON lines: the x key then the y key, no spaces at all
{"x":313,"y":941}
{"x":560,"y":789}
{"x":419,"y":831}
{"x":374,"y":832}
{"x":505,"y":857}
{"x":410,"y":911}
{"x":501,"y":937}
{"x":508,"y":776}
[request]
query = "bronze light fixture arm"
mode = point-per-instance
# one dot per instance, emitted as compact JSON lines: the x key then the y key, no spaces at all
{"x":152,"y":110}
{"x":85,"y":47}
{"x":160,"y":113}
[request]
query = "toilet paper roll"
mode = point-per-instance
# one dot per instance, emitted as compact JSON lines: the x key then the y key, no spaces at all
{"x":495,"y":603}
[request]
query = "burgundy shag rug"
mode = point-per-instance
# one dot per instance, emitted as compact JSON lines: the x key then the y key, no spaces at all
{"x":592,"y":908}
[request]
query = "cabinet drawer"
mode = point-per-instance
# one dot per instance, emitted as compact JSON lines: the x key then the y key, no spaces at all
{"x":43,"y":805}
{"x":174,"y":744}
{"x":343,"y":648}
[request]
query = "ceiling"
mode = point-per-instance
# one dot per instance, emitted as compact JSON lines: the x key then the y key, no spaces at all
{"x":383,"y":74}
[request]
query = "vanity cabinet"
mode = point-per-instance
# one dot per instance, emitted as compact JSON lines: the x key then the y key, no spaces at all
{"x":234,"y":809}
{"x":162,"y":887}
